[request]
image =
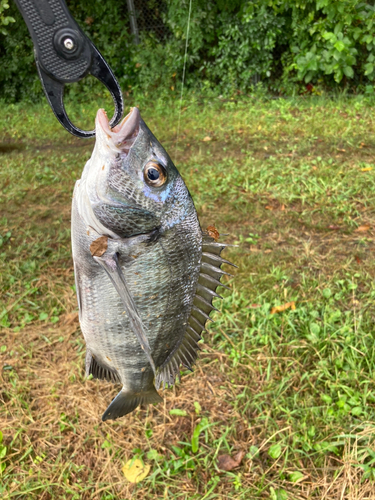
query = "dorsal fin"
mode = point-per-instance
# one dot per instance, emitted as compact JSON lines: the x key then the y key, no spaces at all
{"x":186,"y":352}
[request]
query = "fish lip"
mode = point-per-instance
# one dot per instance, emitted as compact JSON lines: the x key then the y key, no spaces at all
{"x":125,"y":131}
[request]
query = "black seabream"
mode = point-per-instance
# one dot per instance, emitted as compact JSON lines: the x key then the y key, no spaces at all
{"x":145,"y":272}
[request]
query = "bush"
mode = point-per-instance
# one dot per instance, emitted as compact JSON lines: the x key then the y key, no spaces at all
{"x":333,"y":38}
{"x":231,"y":45}
{"x":4,"y":18}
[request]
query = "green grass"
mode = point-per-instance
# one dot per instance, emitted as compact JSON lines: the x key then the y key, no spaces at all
{"x":291,"y":182}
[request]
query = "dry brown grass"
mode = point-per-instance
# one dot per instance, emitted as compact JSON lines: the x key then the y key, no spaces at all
{"x":55,"y":414}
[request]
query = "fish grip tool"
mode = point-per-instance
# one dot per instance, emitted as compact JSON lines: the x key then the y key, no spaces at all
{"x":64,"y":55}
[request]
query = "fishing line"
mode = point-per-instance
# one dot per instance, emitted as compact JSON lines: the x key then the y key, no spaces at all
{"x":183,"y":77}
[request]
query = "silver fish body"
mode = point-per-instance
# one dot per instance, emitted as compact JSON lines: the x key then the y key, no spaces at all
{"x":140,"y":309}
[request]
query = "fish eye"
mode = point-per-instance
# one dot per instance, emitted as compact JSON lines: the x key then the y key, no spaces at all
{"x":154,"y":174}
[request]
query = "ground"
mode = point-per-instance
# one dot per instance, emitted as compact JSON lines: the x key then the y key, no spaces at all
{"x":291,"y":182}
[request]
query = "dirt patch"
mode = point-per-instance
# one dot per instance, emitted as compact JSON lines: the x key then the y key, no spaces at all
{"x":9,"y":147}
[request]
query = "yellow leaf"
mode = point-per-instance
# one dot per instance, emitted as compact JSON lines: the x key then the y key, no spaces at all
{"x":284,"y":307}
{"x":207,"y":138}
{"x":367,"y":169}
{"x":363,"y":228}
{"x":135,"y":471}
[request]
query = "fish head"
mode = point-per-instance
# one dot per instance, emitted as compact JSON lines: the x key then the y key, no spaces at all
{"x":130,"y":185}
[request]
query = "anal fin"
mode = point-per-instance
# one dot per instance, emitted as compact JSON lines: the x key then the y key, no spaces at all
{"x":126,"y":402}
{"x":99,"y":370}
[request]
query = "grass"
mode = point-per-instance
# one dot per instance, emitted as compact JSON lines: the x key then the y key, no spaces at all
{"x":292,"y":183}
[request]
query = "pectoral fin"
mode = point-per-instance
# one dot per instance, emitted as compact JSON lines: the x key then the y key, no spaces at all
{"x":109,"y":262}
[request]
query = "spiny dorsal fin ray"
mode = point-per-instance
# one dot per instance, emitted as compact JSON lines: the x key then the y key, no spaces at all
{"x":193,"y":330}
{"x":207,"y":292}
{"x":206,"y":257}
{"x":210,"y":282}
{"x":207,"y":239}
{"x":175,"y":365}
{"x":185,"y":358}
{"x":213,"y":271}
{"x":213,"y":247}
{"x":198,"y":313}
{"x":190,"y":339}
{"x":194,"y":323}
{"x":204,"y":304}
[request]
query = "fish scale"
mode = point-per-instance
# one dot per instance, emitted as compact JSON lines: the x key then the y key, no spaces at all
{"x":145,"y":294}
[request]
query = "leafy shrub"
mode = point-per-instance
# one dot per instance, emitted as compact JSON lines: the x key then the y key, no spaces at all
{"x":231,"y":45}
{"x":4,"y":18}
{"x":333,"y":37}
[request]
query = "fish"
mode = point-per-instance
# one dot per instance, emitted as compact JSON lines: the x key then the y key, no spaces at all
{"x":145,"y":272}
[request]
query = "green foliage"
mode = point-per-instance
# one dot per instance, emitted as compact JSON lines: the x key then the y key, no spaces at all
{"x":333,"y":37}
{"x":279,"y":494}
{"x":275,"y":451}
{"x":18,"y":76}
{"x":177,"y":412}
{"x":231,"y":46}
{"x":3,"y":452}
{"x":202,"y":426}
{"x":4,"y":18}
{"x":246,"y":44}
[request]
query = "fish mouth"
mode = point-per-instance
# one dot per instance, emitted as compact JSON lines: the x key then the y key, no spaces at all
{"x":122,"y":135}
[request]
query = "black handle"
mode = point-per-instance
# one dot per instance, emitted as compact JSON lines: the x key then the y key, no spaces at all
{"x":65,"y":55}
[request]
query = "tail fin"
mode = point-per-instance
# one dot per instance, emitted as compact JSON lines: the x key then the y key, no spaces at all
{"x":126,"y":402}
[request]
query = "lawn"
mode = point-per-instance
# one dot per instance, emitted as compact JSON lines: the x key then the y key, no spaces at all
{"x":291,"y":182}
